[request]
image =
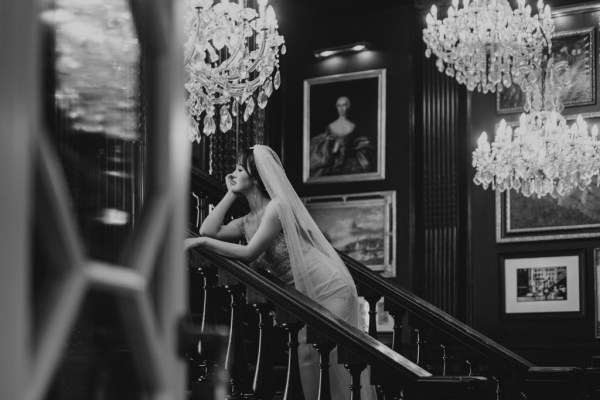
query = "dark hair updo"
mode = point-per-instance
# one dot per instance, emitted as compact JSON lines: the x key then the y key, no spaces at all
{"x":246,"y":160}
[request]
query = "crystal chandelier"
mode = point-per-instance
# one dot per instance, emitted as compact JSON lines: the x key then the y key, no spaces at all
{"x":543,"y":155}
{"x":231,"y":54}
{"x":485,"y":44}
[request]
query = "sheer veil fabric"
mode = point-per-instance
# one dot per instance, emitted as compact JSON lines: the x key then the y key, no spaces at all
{"x":318,"y":272}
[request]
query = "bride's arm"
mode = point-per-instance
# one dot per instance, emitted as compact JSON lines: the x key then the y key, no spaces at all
{"x":265,"y":235}
{"x":213,"y":227}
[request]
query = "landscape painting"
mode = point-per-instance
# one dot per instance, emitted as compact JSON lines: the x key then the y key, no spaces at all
{"x":361,"y":225}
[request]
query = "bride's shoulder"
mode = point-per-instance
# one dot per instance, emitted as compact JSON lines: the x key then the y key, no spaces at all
{"x":273,"y":204}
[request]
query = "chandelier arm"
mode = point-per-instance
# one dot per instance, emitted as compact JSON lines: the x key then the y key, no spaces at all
{"x":546,"y":38}
{"x":262,"y":52}
{"x":241,"y":44}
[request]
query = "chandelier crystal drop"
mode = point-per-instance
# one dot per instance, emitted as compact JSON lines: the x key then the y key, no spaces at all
{"x":231,"y":60}
{"x":543,"y":154}
{"x":485,"y":44}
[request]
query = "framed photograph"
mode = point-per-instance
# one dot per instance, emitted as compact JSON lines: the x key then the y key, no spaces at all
{"x":596,"y":288}
{"x":361,"y":225}
{"x":526,"y":219}
{"x":578,"y":48}
{"x":542,"y":286}
{"x":344,"y":127}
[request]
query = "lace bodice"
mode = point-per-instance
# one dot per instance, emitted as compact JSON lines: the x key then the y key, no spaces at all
{"x":276,"y":259}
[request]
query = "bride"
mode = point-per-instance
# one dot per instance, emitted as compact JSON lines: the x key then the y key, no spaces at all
{"x":282,"y":238}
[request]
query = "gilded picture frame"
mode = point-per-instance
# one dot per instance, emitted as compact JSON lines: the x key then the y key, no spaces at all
{"x":362,"y":225}
{"x":577,"y":216}
{"x":344,"y":127}
{"x":578,"y":48}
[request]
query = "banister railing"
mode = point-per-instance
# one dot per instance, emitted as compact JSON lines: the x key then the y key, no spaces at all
{"x":437,"y":318}
{"x":318,"y":317}
{"x":415,"y":380}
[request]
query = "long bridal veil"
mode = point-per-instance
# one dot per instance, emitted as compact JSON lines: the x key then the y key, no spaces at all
{"x":301,"y":232}
{"x":317,"y":268}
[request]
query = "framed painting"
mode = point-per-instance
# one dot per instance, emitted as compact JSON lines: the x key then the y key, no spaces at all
{"x":578,"y":48}
{"x":361,"y":225}
{"x":542,"y":286}
{"x":525,"y":219}
{"x":344,"y":127}
{"x":596,"y":289}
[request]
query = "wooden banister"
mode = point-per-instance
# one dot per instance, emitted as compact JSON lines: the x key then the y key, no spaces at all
{"x":438,"y":319}
{"x":319,"y":318}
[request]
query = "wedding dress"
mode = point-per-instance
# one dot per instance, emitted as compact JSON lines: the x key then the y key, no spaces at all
{"x":301,"y":255}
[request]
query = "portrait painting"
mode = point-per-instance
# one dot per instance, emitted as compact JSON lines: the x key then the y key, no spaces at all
{"x":545,"y":284}
{"x":577,"y":48}
{"x":344,"y":127}
{"x":361,"y":225}
{"x":523,"y":219}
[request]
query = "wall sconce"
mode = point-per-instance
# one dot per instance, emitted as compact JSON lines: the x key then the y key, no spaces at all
{"x":346,"y":48}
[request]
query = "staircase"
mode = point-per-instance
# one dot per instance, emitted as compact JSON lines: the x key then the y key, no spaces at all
{"x":431,"y":355}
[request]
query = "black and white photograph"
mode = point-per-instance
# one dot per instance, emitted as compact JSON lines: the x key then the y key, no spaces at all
{"x":544,"y":285}
{"x":344,"y":127}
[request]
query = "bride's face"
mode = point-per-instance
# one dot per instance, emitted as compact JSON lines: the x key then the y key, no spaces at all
{"x":241,"y":181}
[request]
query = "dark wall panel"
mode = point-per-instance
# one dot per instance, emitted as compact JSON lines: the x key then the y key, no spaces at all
{"x":388,"y":28}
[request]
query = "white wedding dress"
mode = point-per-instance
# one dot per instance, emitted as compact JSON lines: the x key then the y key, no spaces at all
{"x":300,"y":255}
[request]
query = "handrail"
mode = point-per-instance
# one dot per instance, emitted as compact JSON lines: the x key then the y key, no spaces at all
{"x":437,"y":318}
{"x":318,"y":317}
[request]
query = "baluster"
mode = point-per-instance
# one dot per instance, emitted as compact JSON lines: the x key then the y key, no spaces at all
{"x":293,"y":383}
{"x":204,"y":208}
{"x":236,"y":361}
{"x":262,"y":386}
{"x":355,"y":372}
{"x":469,"y":368}
{"x":373,"y":299}
{"x":421,"y":349}
{"x":209,"y":319}
{"x":198,"y":220}
{"x":444,"y":359}
{"x":324,"y":346}
{"x":398,"y":314}
{"x":213,"y":345}
{"x":355,"y":367}
{"x":499,"y":394}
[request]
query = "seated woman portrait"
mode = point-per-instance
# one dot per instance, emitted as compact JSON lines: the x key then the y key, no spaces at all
{"x":339,"y":150}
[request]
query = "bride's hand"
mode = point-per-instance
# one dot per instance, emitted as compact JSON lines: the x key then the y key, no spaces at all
{"x":229,"y":184}
{"x":193,"y":242}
